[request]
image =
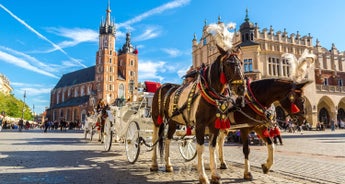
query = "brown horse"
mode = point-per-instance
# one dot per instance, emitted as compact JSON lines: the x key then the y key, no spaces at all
{"x":255,"y":116}
{"x":201,"y":104}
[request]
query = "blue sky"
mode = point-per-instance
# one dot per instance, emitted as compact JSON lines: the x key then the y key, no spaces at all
{"x":42,"y":40}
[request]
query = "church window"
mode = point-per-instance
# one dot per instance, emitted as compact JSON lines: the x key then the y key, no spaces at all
{"x":61,"y":113}
{"x":82,"y":91}
{"x":110,"y":52}
{"x":76,"y":92}
{"x":204,"y":41}
{"x":131,"y":73}
{"x":89,"y":90}
{"x":248,"y":65}
{"x":110,"y":87}
{"x":132,"y":63}
{"x":121,"y":92}
{"x":110,"y":78}
{"x":110,"y":69}
{"x":247,"y":37}
{"x":109,"y":60}
{"x":57,"y":98}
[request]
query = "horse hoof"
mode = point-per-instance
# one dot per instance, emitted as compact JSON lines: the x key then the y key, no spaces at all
{"x":264,"y":168}
{"x":203,"y":181}
{"x":215,"y":180}
{"x":248,"y":176}
{"x":169,"y":168}
{"x":154,"y":168}
{"x":223,"y":166}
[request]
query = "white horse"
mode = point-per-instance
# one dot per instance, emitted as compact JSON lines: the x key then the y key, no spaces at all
{"x":90,"y":125}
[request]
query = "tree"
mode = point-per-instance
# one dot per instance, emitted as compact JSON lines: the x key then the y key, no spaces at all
{"x":14,"y":107}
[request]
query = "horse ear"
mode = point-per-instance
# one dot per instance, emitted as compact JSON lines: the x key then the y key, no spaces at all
{"x":221,"y":50}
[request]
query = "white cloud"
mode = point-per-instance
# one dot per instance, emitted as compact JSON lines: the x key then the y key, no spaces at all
{"x":23,"y":64}
{"x":148,"y":70}
{"x":76,"y":36}
{"x":57,"y":47}
{"x":149,"y":33}
{"x":158,"y":10}
{"x":32,"y":89}
{"x":172,"y":52}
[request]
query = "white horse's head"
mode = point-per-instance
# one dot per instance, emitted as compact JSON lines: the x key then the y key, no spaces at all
{"x":299,"y":68}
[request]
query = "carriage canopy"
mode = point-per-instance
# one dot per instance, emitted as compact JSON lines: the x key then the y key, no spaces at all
{"x":151,"y":86}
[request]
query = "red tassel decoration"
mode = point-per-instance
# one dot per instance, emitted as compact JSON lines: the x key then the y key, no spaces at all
{"x":159,"y":120}
{"x":222,"y":78}
{"x":189,"y":131}
{"x":227,"y":123}
{"x":217,"y":123}
{"x":222,"y":124}
{"x":265,"y":133}
{"x":294,"y":108}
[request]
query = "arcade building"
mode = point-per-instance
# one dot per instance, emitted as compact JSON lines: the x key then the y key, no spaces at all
{"x":261,"y":54}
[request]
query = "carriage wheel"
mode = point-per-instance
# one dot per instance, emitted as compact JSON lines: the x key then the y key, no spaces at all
{"x":107,"y":135}
{"x":132,"y":142}
{"x":187,"y":147}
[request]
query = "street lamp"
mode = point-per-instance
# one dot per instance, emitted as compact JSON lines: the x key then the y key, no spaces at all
{"x":23,"y":104}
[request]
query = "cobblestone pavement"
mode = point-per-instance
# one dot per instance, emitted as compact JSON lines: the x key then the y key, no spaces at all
{"x":65,"y":157}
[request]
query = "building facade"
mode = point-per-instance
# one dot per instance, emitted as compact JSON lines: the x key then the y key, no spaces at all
{"x":5,"y":86}
{"x":114,"y":75}
{"x":262,"y":58}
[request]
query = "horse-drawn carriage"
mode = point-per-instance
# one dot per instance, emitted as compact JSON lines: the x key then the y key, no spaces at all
{"x":220,"y":96}
{"x":131,"y":123}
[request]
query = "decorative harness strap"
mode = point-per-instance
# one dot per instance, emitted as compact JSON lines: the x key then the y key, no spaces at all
{"x":257,"y":107}
{"x":188,"y":103}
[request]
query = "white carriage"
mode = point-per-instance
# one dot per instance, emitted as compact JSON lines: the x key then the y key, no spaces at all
{"x":131,"y":123}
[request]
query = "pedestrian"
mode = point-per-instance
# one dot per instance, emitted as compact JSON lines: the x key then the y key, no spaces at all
{"x":46,"y":125}
{"x":332,"y":125}
{"x":20,"y":124}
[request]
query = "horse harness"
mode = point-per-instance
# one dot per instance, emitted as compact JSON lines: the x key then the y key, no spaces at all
{"x":223,"y":101}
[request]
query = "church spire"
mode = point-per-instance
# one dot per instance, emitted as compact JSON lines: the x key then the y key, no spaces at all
{"x":108,"y":26}
{"x":247,"y":17}
{"x":107,"y":20}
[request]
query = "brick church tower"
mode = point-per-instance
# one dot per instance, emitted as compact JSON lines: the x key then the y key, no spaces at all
{"x":116,"y":74}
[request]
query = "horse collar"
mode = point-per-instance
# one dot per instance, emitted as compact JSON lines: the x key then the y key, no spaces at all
{"x":253,"y":103}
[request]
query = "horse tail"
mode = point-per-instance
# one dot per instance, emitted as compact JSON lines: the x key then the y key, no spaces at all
{"x":161,"y":140}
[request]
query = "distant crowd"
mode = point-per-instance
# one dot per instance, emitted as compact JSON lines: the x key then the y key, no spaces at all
{"x":61,"y":125}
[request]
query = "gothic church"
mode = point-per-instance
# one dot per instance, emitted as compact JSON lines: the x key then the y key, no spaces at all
{"x":115,"y":75}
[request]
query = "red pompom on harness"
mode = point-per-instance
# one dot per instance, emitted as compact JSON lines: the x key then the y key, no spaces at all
{"x":159,"y":120}
{"x":294,"y":108}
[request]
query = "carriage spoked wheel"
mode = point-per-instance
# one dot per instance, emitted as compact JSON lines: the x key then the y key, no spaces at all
{"x":132,"y":142}
{"x":187,"y":148}
{"x":107,"y":135}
